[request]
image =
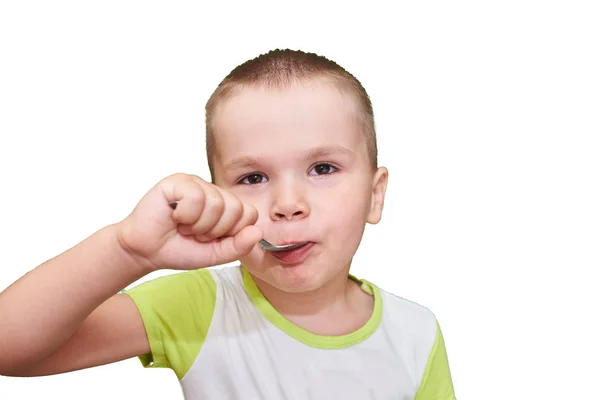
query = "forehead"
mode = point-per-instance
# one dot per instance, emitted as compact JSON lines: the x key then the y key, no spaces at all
{"x":287,"y":121}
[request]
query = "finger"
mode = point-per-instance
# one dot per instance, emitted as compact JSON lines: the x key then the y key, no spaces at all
{"x":232,"y":213}
{"x":188,"y":201}
{"x":214,"y":207}
{"x":249,"y":217}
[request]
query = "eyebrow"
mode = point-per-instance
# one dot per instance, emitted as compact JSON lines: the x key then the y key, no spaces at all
{"x":328,"y":151}
{"x":318,"y":152}
{"x":242,"y":162}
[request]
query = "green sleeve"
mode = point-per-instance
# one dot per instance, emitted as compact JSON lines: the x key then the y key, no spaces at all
{"x":436,"y":383}
{"x":176,"y":311}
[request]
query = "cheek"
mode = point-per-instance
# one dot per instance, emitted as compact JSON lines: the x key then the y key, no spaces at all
{"x":348,"y":205}
{"x":346,"y":223}
{"x":350,"y":223}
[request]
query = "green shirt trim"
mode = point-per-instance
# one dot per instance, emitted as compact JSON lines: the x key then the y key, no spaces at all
{"x":436,"y":383}
{"x":177,"y":311}
{"x":309,"y":338}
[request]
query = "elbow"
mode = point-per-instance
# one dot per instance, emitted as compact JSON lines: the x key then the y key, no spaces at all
{"x":7,"y":369}
{"x":12,"y":365}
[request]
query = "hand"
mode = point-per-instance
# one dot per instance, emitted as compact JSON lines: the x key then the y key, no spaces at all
{"x":209,"y":226}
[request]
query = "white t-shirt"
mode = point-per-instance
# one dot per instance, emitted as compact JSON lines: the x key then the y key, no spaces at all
{"x":224,"y":340}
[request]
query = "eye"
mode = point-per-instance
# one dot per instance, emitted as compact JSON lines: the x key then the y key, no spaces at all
{"x":252,"y":179}
{"x":323,"y":169}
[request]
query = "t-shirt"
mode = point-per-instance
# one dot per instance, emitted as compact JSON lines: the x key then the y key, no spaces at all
{"x":224,"y":340}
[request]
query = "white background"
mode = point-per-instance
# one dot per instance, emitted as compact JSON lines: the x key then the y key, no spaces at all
{"x":488,"y":120}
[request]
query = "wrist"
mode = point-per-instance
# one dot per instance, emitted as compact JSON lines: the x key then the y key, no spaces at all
{"x":130,"y":260}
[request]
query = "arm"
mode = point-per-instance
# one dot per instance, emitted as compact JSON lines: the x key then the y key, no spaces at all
{"x":64,"y":314}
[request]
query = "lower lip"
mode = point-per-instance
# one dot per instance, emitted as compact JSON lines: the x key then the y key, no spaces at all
{"x":293,"y":256}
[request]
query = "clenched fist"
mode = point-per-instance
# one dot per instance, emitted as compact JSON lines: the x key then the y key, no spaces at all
{"x":208,"y":226}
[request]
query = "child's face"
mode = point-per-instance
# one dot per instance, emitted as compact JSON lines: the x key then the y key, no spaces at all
{"x":298,"y":156}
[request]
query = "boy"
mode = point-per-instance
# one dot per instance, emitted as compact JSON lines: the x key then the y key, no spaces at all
{"x":293,"y":158}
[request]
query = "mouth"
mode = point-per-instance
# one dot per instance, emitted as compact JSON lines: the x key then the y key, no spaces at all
{"x":294,"y":255}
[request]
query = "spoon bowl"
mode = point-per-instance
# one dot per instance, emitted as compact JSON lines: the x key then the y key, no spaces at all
{"x":286,"y":247}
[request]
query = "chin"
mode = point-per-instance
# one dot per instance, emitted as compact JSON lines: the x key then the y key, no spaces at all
{"x":308,"y":274}
{"x":300,"y":278}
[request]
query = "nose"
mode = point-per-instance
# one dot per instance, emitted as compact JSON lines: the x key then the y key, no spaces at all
{"x":288,"y":202}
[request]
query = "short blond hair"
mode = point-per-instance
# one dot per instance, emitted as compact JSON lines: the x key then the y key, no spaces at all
{"x":278,"y":69}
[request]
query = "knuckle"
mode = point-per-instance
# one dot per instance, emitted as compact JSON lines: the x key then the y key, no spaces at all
{"x":178,"y":176}
{"x":236,"y":209}
{"x":195,"y":196}
{"x":197,"y":179}
{"x":215,"y":204}
{"x":252,"y":214}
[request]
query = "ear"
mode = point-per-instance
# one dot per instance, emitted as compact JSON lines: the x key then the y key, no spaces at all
{"x":380,"y":180}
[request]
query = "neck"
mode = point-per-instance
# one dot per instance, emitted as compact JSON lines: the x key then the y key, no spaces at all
{"x":337,"y":308}
{"x":335,"y":294}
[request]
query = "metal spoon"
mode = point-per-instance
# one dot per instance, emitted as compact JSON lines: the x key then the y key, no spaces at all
{"x":266,"y":245}
{"x":271,"y":247}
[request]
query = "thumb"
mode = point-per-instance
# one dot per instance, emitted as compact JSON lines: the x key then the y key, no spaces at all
{"x":231,"y":248}
{"x":245,"y":240}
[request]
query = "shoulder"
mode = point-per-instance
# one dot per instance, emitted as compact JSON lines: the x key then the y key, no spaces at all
{"x":182,"y":301}
{"x":406,"y":314}
{"x":175,"y":301}
{"x":177,"y":311}
{"x":415,"y":332}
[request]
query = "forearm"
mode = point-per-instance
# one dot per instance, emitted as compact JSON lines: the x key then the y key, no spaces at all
{"x":42,"y":310}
